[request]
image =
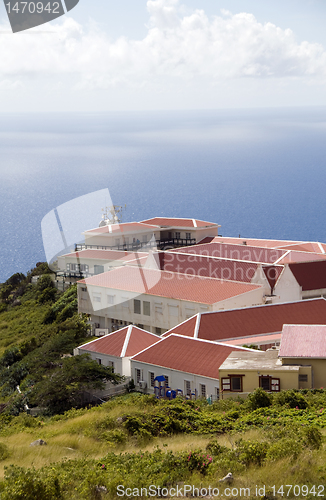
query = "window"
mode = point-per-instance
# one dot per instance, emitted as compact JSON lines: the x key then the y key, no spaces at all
{"x":117,"y":242}
{"x":151,"y":379}
{"x":77,"y":268}
{"x":110,"y":299}
{"x":144,"y":238}
{"x":303,"y":378}
{"x":190,"y":312}
{"x":146,"y":308}
{"x":187,"y":388}
{"x":126,"y":240}
{"x":136,"y":306}
{"x":269,"y":383}
{"x":188,"y":236}
{"x":166,"y":381}
{"x":177,"y":235}
{"x":202,"y":390}
{"x":99,"y":361}
{"x":111,"y":365}
{"x":158,"y":306}
{"x":232,"y":383}
{"x":158,"y":330}
{"x":84,"y":289}
{"x":138,"y":375}
{"x":97,"y":297}
{"x":98,"y":269}
{"x":173,"y":311}
{"x":125,"y":302}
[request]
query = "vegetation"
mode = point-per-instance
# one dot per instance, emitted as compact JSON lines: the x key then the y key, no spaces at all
{"x":40,"y":334}
{"x":134,"y":440}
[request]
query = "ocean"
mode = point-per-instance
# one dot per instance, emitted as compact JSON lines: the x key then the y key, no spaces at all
{"x":258,"y":173}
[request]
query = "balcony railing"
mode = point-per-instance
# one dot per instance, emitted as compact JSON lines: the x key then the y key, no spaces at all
{"x":141,"y":245}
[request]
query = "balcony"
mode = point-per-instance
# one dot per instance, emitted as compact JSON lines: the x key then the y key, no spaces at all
{"x":165,"y":244}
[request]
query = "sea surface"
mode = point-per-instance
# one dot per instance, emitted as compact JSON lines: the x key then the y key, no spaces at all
{"x":258,"y":173}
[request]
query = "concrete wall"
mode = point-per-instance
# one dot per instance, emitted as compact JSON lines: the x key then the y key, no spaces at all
{"x":287,"y":288}
{"x":165,"y":313}
{"x":318,"y":367}
{"x":108,"y":239}
{"x":119,"y":367}
{"x":176,"y":379}
{"x":250,"y":379}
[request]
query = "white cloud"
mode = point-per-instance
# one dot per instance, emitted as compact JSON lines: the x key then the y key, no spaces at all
{"x":180,"y":46}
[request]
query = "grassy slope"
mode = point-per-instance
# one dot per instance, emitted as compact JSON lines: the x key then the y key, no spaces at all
{"x":92,"y":434}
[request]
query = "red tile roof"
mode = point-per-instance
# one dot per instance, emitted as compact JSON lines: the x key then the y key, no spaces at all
{"x":235,"y":252}
{"x":310,"y":275}
{"x":173,"y":285}
{"x":256,"y":339}
{"x":230,"y":324}
{"x":125,"y":342}
{"x":304,"y":247}
{"x":187,"y":355}
{"x":255,"y":242}
{"x":200,"y":265}
{"x":126,"y":227}
{"x":294,"y":256}
{"x":176,"y":222}
{"x":105,"y":255}
{"x":303,"y":341}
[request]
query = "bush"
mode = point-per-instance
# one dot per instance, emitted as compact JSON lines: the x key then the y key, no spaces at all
{"x":259,"y":399}
{"x":313,"y":437}
{"x":252,"y":452}
{"x":292,"y":399}
{"x":4,"y":452}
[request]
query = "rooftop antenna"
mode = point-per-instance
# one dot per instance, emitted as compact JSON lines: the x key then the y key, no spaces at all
{"x":112,"y":215}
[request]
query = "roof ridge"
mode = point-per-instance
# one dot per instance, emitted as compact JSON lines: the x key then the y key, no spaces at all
{"x":197,"y":325}
{"x":126,"y":342}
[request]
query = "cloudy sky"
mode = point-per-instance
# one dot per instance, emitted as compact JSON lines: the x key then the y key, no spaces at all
{"x":167,"y":54}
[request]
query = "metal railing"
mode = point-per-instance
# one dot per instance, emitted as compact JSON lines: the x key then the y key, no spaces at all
{"x":139,"y":245}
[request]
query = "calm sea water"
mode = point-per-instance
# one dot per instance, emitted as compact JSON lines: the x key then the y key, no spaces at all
{"x":257,"y":173}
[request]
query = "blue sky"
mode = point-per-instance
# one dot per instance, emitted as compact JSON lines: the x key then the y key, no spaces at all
{"x":167,"y":54}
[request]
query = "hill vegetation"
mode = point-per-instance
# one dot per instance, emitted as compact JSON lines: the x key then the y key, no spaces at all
{"x":135,"y":441}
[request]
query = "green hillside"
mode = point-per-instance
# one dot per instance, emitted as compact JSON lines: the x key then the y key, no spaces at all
{"x":135,"y":441}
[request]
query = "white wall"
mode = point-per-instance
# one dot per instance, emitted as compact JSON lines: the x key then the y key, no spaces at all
{"x":287,"y":288}
{"x":105,"y":360}
{"x":176,"y":378}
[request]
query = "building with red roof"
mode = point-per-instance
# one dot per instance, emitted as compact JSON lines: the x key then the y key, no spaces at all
{"x":158,"y":300}
{"x":190,"y":366}
{"x":116,"y":349}
{"x":250,"y":322}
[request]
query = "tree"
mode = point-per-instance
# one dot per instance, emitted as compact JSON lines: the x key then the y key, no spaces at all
{"x":64,"y":388}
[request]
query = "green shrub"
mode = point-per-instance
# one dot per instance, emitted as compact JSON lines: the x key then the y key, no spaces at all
{"x":259,"y":399}
{"x":252,"y":452}
{"x":313,"y":437}
{"x":285,"y":447}
{"x":4,"y":452}
{"x":291,"y":399}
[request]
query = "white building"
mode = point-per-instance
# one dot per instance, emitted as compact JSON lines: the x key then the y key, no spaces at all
{"x":189,"y":366}
{"x":115,"y":349}
{"x":158,"y":300}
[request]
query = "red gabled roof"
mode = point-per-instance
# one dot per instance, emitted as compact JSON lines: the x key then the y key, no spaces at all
{"x":173,"y":285}
{"x":187,"y":355}
{"x":230,"y":324}
{"x":105,"y":254}
{"x":310,"y":275}
{"x":294,"y":256}
{"x":303,"y":341}
{"x":308,"y":246}
{"x":125,"y":342}
{"x":176,"y":222}
{"x":126,"y":227}
{"x":235,"y":252}
{"x":200,"y":265}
